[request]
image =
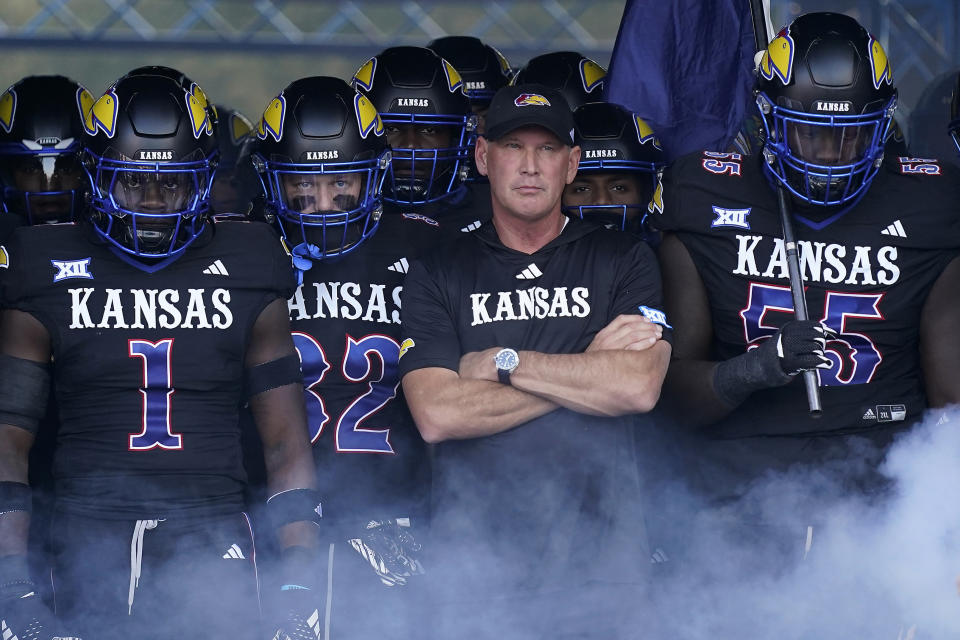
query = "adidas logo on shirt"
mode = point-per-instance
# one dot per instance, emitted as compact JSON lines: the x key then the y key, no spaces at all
{"x":400,"y":266}
{"x":869,"y":415}
{"x":217,"y":269}
{"x":234,"y":553}
{"x":895,"y":229}
{"x":530,"y":272}
{"x":473,"y":226}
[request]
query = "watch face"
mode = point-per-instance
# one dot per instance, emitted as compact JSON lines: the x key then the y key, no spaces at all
{"x":507,"y":359}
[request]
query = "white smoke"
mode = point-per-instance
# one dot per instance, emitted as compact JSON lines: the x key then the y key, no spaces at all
{"x":880,"y":566}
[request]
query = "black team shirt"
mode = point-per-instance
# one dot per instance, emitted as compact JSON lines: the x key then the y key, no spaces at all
{"x":555,"y":501}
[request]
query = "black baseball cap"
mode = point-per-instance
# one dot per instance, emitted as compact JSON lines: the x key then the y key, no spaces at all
{"x":527,"y":105}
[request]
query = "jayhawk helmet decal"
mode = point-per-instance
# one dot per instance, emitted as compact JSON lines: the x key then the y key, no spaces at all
{"x":41,"y":125}
{"x":150,"y":133}
{"x":777,"y":60}
{"x":271,"y":123}
{"x":826,"y":98}
{"x":8,"y":109}
{"x":880,"y":64}
{"x":482,"y":67}
{"x":413,"y":87}
{"x":577,"y":77}
{"x":324,"y":170}
{"x":368,"y":119}
{"x":615,"y":141}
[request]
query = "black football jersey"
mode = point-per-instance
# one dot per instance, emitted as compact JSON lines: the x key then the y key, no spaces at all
{"x":561,"y":491}
{"x":345,"y":317}
{"x":462,"y":212}
{"x":148,"y":366}
{"x":867,"y":273}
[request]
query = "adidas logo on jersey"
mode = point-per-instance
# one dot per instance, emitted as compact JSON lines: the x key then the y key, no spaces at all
{"x":895,"y":229}
{"x":400,"y":266}
{"x":216,"y":269}
{"x":530,"y":272}
{"x":473,"y":226}
{"x":234,"y":552}
{"x":869,"y":415}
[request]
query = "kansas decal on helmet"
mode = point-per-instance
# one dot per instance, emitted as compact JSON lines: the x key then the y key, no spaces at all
{"x":199,"y":109}
{"x":367,"y":117}
{"x":103,"y":114}
{"x":645,"y":133}
{"x":454,"y":81}
{"x":531,"y":100}
{"x":880,"y":64}
{"x":656,"y":201}
{"x":84,"y":102}
{"x":591,"y":74}
{"x":272,"y":121}
{"x":8,"y":109}
{"x":363,"y":78}
{"x":778,"y":58}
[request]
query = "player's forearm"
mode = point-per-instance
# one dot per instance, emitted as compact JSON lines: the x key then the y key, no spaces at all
{"x":464,"y":408}
{"x":604,"y":383}
{"x":689,"y":395}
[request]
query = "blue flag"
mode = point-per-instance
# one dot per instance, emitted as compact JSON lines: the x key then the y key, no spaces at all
{"x":686,"y":67}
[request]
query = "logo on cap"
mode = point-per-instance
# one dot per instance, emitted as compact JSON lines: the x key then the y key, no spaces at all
{"x":531,"y":100}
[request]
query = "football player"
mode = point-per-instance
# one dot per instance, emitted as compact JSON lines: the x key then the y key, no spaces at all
{"x":41,"y":122}
{"x":484,"y":69}
{"x":156,"y":327}
{"x":574,"y":75}
{"x":878,"y":241}
{"x":618,"y":168}
{"x":323,"y":156}
{"x":233,"y":186}
{"x":431,"y":129}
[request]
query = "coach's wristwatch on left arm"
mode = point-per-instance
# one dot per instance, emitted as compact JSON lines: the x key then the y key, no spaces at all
{"x":506,"y":360}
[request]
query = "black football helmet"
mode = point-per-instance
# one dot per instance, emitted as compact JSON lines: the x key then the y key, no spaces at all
{"x":615,"y":141}
{"x":150,"y":155}
{"x":41,"y":126}
{"x":576,"y":76}
{"x":322,"y":155}
{"x":414,"y":87}
{"x":826,"y":96}
{"x":482,"y":67}
{"x":954,"y":126}
{"x":231,"y":192}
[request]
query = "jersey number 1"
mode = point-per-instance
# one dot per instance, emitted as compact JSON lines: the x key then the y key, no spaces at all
{"x":157,"y":390}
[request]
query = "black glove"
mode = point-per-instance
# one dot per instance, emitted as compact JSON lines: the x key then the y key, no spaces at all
{"x":295,"y":610}
{"x":23,"y":614}
{"x":391,"y":550}
{"x":796,"y":347}
{"x":800,"y":345}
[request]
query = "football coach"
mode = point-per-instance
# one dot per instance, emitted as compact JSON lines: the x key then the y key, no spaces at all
{"x":527,"y":346}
